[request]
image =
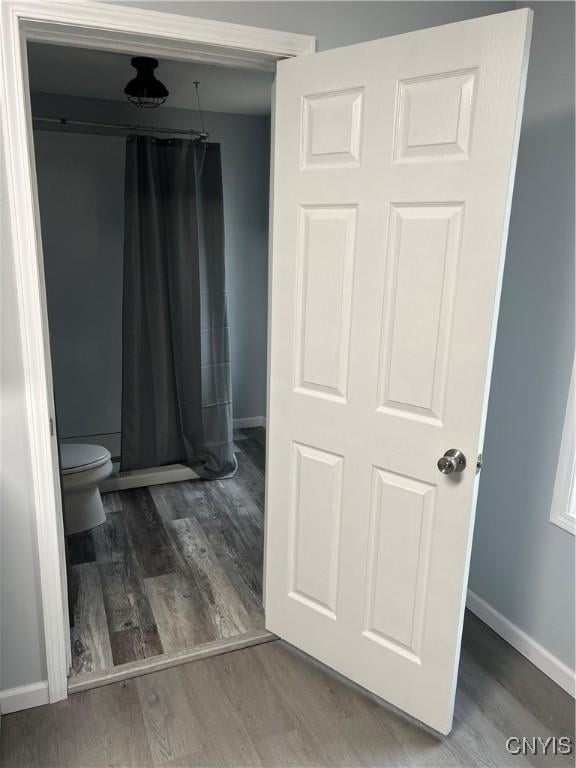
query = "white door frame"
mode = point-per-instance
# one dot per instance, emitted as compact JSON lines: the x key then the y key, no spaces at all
{"x":103,"y":27}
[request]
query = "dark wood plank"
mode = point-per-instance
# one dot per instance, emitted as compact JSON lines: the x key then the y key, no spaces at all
{"x":250,"y":478}
{"x":152,"y":547}
{"x":181,"y":611}
{"x":182,"y":582}
{"x":111,"y":540}
{"x":125,"y":597}
{"x":81,"y":548}
{"x":176,"y":500}
{"x":246,"y":578}
{"x":255,"y":451}
{"x":112,"y":501}
{"x":233,"y":502}
{"x":135,"y":643}
{"x":234,"y":527}
{"x":89,"y":637}
{"x":227,"y":612}
{"x":242,"y":561}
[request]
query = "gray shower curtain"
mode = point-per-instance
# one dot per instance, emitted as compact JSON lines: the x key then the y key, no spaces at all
{"x":176,"y":399}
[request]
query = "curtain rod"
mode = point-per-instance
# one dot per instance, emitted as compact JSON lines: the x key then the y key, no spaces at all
{"x":201,"y":135}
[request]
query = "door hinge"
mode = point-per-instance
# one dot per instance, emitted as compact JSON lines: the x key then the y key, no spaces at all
{"x":51,"y":427}
{"x":479,"y":461}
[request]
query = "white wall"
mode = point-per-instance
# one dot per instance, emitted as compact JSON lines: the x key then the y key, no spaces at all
{"x":341,"y":23}
{"x":81,"y":190}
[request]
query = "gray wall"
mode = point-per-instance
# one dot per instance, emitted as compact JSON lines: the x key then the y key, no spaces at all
{"x":81,"y":188}
{"x":522,"y":564}
{"x":81,"y":192}
{"x":333,"y":23}
{"x":21,"y":644}
{"x":338,"y":24}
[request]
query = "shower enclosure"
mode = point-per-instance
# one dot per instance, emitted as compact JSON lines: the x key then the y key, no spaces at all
{"x":176,"y":381}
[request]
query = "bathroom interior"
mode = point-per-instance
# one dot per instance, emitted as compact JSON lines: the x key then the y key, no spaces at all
{"x":153,"y":187}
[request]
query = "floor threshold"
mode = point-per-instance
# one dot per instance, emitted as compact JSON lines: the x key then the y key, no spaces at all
{"x":167,"y":660}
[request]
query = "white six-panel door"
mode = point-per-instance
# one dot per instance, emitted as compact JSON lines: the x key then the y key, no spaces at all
{"x":393,"y":164}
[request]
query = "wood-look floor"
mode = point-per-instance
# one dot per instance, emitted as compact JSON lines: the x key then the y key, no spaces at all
{"x":272,"y":706}
{"x":173,"y":566}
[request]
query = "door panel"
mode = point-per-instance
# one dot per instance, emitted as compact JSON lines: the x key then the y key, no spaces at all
{"x":331,"y":129}
{"x":400,"y":537}
{"x":393,"y":168}
{"x":315,"y":534}
{"x":326,"y":259}
{"x":421,"y":281}
{"x":435,"y":117}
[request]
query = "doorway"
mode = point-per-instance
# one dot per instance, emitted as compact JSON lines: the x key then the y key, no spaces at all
{"x":154,"y":231}
{"x":99,"y":28}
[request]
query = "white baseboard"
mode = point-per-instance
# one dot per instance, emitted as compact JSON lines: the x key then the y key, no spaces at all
{"x":523,"y":643}
{"x":24,"y":697}
{"x":250,"y":421}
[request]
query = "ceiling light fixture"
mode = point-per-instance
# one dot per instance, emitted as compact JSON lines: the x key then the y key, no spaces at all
{"x":145,"y":90}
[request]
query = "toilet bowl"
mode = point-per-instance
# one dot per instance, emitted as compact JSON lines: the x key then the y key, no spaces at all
{"x":83,"y":467}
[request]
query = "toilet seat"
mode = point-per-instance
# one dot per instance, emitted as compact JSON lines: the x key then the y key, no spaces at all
{"x":80,"y":457}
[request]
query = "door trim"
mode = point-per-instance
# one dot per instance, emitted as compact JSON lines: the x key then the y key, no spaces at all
{"x":102,"y":27}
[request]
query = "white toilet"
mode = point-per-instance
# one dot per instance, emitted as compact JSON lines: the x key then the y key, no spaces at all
{"x":83,"y":468}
